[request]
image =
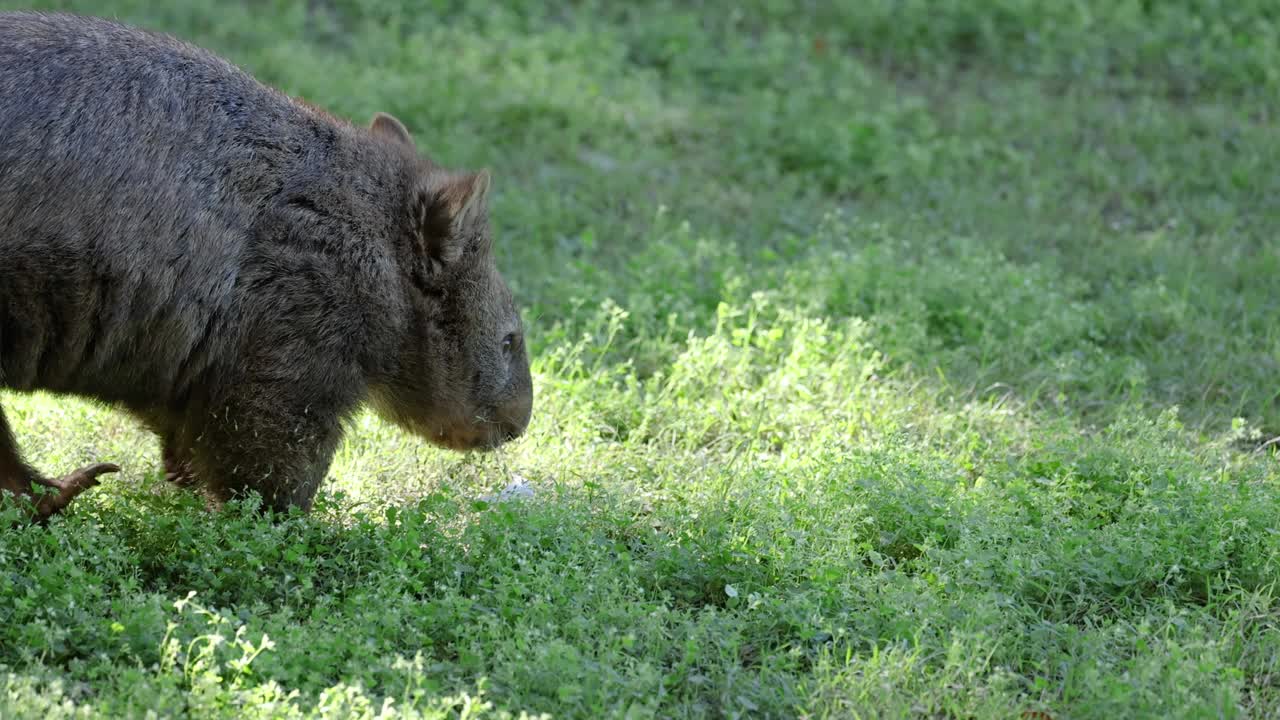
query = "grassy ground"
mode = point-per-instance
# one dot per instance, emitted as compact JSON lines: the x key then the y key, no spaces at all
{"x":893,"y":359}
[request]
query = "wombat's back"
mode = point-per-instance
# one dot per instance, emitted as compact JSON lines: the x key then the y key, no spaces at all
{"x":133,"y":169}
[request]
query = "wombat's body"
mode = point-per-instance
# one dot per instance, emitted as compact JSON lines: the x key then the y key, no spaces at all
{"x":236,"y":268}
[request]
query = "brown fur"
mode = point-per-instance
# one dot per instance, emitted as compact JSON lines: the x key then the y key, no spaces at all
{"x":234,"y":267}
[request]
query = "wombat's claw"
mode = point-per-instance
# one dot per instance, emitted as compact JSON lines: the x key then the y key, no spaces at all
{"x":179,"y":474}
{"x":69,"y":486}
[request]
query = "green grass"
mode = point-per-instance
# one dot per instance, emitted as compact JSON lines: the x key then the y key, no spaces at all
{"x":893,"y":359}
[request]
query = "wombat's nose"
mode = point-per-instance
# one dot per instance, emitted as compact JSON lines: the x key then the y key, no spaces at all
{"x":501,"y":433}
{"x":511,"y":429}
{"x":514,"y":417}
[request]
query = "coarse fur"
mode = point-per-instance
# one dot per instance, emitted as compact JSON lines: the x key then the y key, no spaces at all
{"x":237,"y":268}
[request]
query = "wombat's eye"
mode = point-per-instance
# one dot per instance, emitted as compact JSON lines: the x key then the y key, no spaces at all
{"x":508,"y":342}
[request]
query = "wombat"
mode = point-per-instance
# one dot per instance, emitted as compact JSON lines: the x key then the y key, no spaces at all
{"x":237,"y":268}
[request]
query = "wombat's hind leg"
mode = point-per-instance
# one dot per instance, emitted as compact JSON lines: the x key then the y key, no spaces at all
{"x":69,"y":486}
{"x":17,"y":478}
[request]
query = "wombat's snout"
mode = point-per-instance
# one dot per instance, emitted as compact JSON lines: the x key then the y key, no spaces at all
{"x":495,"y":435}
{"x":504,"y":423}
{"x":513,"y":418}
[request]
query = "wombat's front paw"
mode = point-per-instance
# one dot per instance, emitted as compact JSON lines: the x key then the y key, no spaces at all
{"x":178,"y":470}
{"x":69,"y":486}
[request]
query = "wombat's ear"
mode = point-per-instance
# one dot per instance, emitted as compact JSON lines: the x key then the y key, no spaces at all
{"x":466,"y":199}
{"x":452,"y":211}
{"x":391,"y":128}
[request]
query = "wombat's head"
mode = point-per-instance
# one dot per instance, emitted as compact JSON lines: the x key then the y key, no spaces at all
{"x":462,"y":379}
